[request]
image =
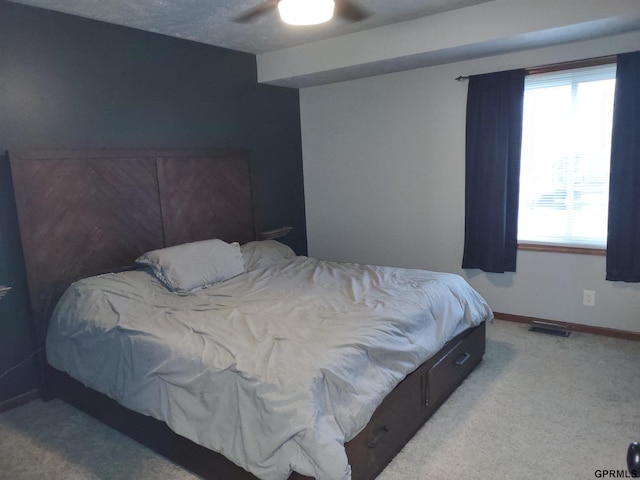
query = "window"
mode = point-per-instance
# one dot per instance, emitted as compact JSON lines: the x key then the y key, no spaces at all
{"x":564,"y":169}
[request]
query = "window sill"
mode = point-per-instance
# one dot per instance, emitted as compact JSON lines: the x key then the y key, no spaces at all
{"x":534,"y":247}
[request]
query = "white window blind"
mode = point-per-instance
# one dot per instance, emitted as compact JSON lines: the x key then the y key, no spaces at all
{"x":566,"y":145}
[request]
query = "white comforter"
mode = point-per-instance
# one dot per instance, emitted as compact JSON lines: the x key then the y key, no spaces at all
{"x":276,"y":368}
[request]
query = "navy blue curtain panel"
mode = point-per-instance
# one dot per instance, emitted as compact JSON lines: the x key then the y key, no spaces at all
{"x":492,"y":177}
{"x":623,"y":240}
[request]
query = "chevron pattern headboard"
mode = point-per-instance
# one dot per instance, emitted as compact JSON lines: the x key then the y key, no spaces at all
{"x":84,"y":212}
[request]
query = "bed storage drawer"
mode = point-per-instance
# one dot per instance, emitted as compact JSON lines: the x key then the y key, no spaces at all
{"x":449,"y":371}
{"x":392,"y":424}
{"x":412,"y":402}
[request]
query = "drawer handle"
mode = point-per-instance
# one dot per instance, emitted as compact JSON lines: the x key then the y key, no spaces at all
{"x":462,"y":360}
{"x":373,"y":441}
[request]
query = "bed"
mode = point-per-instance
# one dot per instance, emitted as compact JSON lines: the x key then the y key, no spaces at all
{"x":381,"y":348}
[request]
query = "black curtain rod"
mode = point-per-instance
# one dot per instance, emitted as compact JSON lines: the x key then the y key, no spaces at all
{"x":554,"y":67}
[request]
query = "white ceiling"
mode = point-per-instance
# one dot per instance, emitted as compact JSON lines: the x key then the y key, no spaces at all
{"x":211,"y":21}
{"x":399,"y":34}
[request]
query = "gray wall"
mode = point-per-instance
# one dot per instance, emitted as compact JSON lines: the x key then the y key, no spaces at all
{"x":384,"y":183}
{"x":69,"y":82}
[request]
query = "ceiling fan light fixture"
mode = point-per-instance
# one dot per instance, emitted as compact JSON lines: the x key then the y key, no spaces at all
{"x":305,"y":12}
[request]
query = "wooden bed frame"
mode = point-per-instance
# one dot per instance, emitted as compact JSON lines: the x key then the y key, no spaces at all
{"x":84,"y":212}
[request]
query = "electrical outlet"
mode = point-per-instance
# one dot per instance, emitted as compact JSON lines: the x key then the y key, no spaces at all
{"x":589,"y":298}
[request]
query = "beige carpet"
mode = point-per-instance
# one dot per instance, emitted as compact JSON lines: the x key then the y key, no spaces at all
{"x":537,"y":407}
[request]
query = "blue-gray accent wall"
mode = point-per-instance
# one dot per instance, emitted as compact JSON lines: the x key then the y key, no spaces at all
{"x":69,"y":82}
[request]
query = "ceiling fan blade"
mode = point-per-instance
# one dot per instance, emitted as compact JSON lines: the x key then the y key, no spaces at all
{"x":349,"y":10}
{"x":254,"y":13}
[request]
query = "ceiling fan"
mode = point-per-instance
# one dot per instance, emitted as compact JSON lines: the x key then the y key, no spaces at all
{"x":306,"y":12}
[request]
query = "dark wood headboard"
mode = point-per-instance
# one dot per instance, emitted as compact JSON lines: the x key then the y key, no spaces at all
{"x":84,"y":212}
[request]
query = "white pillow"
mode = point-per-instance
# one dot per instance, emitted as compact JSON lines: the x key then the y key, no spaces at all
{"x":192,"y":265}
{"x":263,"y":254}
